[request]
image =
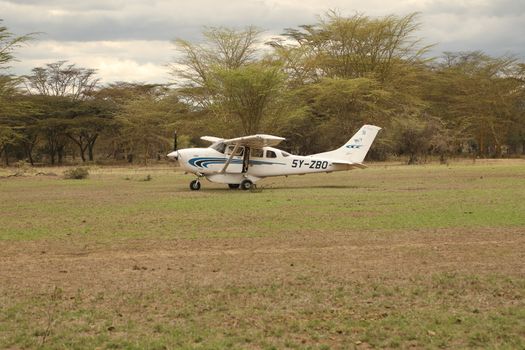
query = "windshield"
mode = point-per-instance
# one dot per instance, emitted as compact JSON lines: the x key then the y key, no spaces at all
{"x":219,"y":147}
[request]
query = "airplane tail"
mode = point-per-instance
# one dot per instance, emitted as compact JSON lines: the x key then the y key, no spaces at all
{"x":355,"y":149}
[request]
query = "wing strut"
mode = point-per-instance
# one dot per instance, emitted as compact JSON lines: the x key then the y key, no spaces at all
{"x":230,"y":158}
{"x":246,"y":159}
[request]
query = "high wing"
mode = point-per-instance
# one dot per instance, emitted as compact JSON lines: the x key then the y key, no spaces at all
{"x":211,"y":139}
{"x":252,"y":141}
{"x":350,"y":164}
{"x":256,"y":141}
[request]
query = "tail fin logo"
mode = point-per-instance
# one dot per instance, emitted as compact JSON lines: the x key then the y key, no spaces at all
{"x":353,"y":146}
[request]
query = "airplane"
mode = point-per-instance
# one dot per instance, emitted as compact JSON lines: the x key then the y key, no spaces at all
{"x":241,"y":162}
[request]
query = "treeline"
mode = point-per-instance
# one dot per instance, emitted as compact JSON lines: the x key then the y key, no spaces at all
{"x":315,"y":85}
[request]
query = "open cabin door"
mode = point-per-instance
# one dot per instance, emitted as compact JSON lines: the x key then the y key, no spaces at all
{"x":235,"y":162}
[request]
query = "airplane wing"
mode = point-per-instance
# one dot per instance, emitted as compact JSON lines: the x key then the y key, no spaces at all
{"x":350,"y":164}
{"x":252,"y":141}
{"x":211,"y":139}
{"x":256,"y":141}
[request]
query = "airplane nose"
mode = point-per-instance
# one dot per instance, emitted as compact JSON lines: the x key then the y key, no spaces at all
{"x":173,"y":155}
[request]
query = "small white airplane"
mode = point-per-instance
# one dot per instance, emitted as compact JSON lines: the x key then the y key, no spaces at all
{"x":242,"y":161}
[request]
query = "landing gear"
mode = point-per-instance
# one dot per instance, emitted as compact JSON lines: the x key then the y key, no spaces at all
{"x":233,"y":186}
{"x":246,"y":185}
{"x":195,"y":185}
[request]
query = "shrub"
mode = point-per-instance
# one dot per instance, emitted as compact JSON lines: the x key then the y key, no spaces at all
{"x":76,"y":173}
{"x":147,"y":178}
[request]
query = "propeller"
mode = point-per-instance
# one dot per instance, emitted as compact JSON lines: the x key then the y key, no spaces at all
{"x":174,"y":155}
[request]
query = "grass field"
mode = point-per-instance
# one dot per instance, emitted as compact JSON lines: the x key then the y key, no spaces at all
{"x":386,"y":257}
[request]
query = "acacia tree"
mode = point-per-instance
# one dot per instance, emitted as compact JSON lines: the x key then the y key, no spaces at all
{"x":70,"y":88}
{"x":345,"y":71}
{"x":228,"y":77}
{"x":91,"y":118}
{"x":350,"y":47}
{"x":24,"y":118}
{"x":10,"y":133}
{"x":249,"y":94}
{"x":222,"y":47}
{"x":9,"y":136}
{"x":146,"y":123}
{"x":516,"y":136}
{"x":481,"y":95}
{"x":63,"y":80}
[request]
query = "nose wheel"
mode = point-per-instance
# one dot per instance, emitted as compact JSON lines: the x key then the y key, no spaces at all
{"x":195,"y":185}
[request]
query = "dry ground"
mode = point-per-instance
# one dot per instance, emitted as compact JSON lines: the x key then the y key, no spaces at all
{"x":439,"y":284}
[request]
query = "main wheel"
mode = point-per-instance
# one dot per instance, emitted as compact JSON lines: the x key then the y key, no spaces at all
{"x":246,"y":184}
{"x":233,"y":186}
{"x":195,"y":185}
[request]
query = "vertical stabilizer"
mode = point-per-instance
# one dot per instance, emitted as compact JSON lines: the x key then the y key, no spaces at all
{"x":355,"y":149}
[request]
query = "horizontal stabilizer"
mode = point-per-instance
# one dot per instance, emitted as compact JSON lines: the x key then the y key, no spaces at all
{"x":351,"y":164}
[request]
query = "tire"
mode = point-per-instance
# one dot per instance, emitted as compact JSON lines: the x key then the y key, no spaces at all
{"x":195,"y":185}
{"x":246,"y":185}
{"x":233,"y":186}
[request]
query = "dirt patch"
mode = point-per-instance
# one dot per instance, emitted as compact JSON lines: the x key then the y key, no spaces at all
{"x":299,"y":290}
{"x":233,"y":260}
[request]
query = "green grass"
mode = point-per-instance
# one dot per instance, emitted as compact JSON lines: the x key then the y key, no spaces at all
{"x":387,"y":257}
{"x":107,"y":206}
{"x":418,"y":314}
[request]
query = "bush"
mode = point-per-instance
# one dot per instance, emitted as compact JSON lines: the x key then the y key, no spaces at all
{"x":76,"y":173}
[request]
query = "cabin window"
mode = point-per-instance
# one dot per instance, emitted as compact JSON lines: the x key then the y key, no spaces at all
{"x":256,"y":152}
{"x":239,"y":152}
{"x":285,"y":154}
{"x":271,"y":154}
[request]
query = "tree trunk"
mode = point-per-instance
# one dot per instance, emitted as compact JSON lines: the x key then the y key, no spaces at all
{"x":6,"y":155}
{"x":90,"y":151}
{"x":146,"y":154}
{"x":60,"y":153}
{"x":80,"y":145}
{"x":412,"y":159}
{"x":29,"y":153}
{"x":91,"y":145}
{"x":481,"y":149}
{"x":28,"y":149}
{"x":443,"y":159}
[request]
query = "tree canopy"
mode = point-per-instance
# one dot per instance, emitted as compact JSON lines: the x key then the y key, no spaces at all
{"x":315,"y":85}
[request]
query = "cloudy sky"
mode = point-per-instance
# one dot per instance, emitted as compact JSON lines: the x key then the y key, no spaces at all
{"x":129,"y":40}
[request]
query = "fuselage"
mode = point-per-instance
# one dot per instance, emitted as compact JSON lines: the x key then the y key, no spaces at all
{"x":264,"y":162}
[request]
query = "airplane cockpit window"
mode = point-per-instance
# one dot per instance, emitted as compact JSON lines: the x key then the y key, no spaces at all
{"x":271,"y":154}
{"x":219,"y":147}
{"x":285,"y":154}
{"x":239,"y":152}
{"x":256,"y":152}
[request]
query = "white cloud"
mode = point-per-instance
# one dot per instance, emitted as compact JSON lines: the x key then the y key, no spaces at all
{"x":111,"y":35}
{"x":133,"y":60}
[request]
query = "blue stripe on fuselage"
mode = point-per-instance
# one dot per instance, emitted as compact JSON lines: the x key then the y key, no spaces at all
{"x":204,"y":162}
